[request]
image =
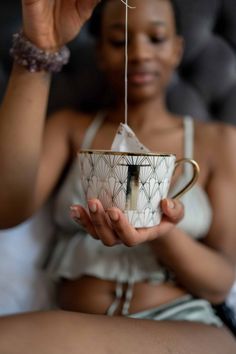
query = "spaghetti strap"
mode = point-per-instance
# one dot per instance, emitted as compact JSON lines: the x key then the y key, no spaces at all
{"x":188,"y":137}
{"x":92,"y":130}
{"x":188,"y":143}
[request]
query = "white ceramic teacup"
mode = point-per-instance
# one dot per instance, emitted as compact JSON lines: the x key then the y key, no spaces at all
{"x":133,"y":182}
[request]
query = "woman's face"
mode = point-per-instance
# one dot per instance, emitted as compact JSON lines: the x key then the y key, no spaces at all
{"x":154,"y":49}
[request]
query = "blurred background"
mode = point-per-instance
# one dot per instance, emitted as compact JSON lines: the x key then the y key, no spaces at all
{"x":204,"y":86}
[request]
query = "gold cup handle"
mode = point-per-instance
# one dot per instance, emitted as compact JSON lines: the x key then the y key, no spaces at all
{"x":190,"y":184}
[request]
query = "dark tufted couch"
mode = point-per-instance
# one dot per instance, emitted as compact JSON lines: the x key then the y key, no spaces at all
{"x":205,"y":85}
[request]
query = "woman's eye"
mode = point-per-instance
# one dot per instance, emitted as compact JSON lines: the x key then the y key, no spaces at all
{"x":157,"y":40}
{"x":117,"y":42}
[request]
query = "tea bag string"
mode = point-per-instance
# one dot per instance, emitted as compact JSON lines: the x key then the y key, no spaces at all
{"x":127,"y":7}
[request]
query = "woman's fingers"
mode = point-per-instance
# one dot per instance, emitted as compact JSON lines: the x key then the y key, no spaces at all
{"x":173,"y":209}
{"x":125,"y":231}
{"x":173,"y":212}
{"x":112,"y":226}
{"x":101,"y":223}
{"x":80,"y":215}
{"x":131,"y":236}
{"x":52,"y":24}
{"x":96,"y":222}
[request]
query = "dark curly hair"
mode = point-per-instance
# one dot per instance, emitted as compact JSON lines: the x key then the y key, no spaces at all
{"x":94,"y":25}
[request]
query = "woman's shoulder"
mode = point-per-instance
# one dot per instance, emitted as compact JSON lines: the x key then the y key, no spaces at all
{"x":219,"y":139}
{"x":69,"y":126}
{"x":217,"y":132}
{"x":73,"y":122}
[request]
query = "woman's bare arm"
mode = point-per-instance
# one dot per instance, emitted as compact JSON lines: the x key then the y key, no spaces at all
{"x":22,"y":117}
{"x":49,"y":25}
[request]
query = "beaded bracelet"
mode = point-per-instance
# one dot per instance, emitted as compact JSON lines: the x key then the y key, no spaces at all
{"x":35,"y":59}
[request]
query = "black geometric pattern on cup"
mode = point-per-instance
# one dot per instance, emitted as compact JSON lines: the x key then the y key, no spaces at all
{"x":106,"y":177}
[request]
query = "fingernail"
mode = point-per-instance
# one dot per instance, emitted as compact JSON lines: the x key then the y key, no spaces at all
{"x":170,"y":204}
{"x":113,"y":215}
{"x":92,"y":206}
{"x":74,"y":213}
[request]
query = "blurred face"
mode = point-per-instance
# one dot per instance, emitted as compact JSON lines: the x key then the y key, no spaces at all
{"x":154,"y":49}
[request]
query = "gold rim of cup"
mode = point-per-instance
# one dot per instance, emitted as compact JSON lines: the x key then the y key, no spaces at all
{"x":110,"y":152}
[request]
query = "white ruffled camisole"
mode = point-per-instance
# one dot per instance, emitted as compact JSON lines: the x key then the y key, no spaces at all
{"x":77,"y":254}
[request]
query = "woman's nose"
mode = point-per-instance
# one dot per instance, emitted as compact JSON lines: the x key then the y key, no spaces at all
{"x":139,"y":50}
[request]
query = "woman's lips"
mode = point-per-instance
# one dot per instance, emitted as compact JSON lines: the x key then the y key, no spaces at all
{"x":141,"y":78}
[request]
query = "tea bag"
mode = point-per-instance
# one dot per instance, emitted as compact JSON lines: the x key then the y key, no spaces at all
{"x":126,"y":141}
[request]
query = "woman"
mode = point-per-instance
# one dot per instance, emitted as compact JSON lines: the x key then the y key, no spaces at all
{"x":188,"y":324}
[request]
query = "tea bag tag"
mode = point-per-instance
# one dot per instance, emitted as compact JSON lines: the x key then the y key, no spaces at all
{"x":126,"y":141}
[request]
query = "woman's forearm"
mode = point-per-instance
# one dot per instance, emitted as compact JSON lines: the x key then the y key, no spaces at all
{"x":201,"y":270}
{"x":22,"y":117}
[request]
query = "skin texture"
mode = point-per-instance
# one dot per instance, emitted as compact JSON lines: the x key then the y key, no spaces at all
{"x":31,"y":171}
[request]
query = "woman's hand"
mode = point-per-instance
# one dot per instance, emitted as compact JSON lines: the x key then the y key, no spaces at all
{"x":112,"y":227}
{"x":50,"y":24}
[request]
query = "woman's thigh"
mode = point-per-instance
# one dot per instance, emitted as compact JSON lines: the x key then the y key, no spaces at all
{"x":74,"y":333}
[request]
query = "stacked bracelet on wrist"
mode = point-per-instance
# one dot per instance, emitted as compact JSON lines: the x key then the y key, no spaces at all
{"x":35,"y":59}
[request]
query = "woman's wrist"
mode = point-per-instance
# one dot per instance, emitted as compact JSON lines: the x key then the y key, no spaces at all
{"x":22,"y":71}
{"x":35,"y":59}
{"x":45,"y":42}
{"x":168,"y":236}
{"x":165,"y":241}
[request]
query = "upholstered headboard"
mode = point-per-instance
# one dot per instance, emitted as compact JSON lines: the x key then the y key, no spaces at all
{"x":207,"y":78}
